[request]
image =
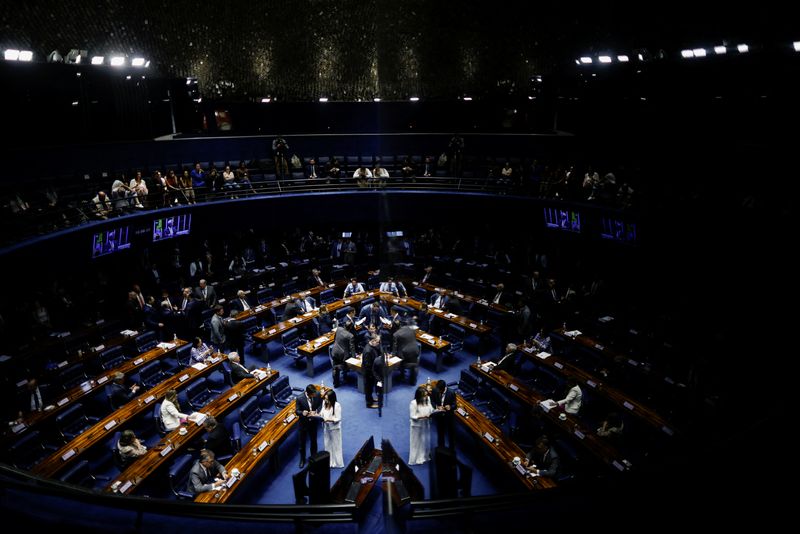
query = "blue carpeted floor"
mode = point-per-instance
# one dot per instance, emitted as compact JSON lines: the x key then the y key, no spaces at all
{"x":359,"y":423}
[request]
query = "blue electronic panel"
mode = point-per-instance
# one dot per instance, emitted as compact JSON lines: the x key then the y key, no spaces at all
{"x":619,"y":230}
{"x":110,"y":241}
{"x":563,"y":219}
{"x":169,"y":227}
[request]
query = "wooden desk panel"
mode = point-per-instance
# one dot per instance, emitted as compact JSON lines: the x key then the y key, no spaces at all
{"x":465,"y":322}
{"x":468,"y":298}
{"x":261,"y":446}
{"x":503,"y":448}
{"x":626,"y":403}
{"x":262,"y":308}
{"x":89,"y":387}
{"x":339,"y":491}
{"x":114,"y":421}
{"x":170,"y":444}
{"x":571,"y":425}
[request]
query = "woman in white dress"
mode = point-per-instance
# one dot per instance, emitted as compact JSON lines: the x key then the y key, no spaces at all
{"x":420,"y":410}
{"x":331,"y":414}
{"x":171,"y":414}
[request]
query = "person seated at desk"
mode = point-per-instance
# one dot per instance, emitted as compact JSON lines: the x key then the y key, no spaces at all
{"x":543,"y":459}
{"x":240,"y":304}
{"x":395,"y":288}
{"x":217,"y":438}
{"x":508,"y":362}
{"x":238,"y":371}
{"x":572,"y":402}
{"x":129,"y":447}
{"x":171,"y":415}
{"x":293,"y":308}
{"x":207,"y":474}
{"x":121,"y":394}
{"x":315,"y":280}
{"x":541,"y":341}
{"x":353,"y":288}
{"x":200,"y":351}
{"x":611,"y":427}
{"x":372,"y":315}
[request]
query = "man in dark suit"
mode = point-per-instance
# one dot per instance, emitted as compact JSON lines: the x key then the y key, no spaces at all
{"x":238,"y":371}
{"x":344,"y":347}
{"x":444,"y":399}
{"x":379,"y":371}
{"x":121,"y":394}
{"x":293,"y":308}
{"x":307,"y":408}
{"x":508,"y":361}
{"x":206,"y":294}
{"x":545,"y":457}
{"x":218,"y":337}
{"x":407,"y":348}
{"x":439,"y":300}
{"x":372,"y":315}
{"x":499,"y":296}
{"x":315,"y":279}
{"x":426,"y":275}
{"x":217,"y":438}
{"x":372,"y":352}
{"x":240,"y":303}
{"x":207,"y":474}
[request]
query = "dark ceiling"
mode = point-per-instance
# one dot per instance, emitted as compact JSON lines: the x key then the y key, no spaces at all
{"x":349,"y":49}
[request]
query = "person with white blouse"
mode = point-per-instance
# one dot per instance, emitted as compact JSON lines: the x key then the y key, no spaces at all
{"x":331,"y":414}
{"x":420,"y":410}
{"x":171,"y":415}
{"x":572,"y":402}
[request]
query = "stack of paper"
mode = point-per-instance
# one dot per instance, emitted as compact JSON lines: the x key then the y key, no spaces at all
{"x":548,"y":404}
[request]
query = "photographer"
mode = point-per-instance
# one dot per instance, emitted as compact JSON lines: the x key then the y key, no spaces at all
{"x":279,"y":149}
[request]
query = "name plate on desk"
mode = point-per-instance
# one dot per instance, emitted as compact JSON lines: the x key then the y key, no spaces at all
{"x":98,"y":348}
{"x":628,"y":405}
{"x":215,"y":359}
{"x":489,"y":437}
{"x":102,"y":380}
{"x":233,"y":397}
{"x":473,"y":325}
{"x":462,"y":412}
{"x":559,"y":365}
{"x":125,"y":487}
{"x":285,"y":299}
{"x":258,"y":308}
{"x":598,"y":346}
{"x":618,"y":465}
{"x":291,"y":417}
{"x":272,"y":331}
{"x":513,"y":387}
{"x":591,"y":383}
{"x":579,"y":434}
{"x":263,"y":445}
{"x":668,"y":380}
{"x":543,"y":355}
{"x":111,"y":424}
{"x":62,"y":364}
{"x":230,"y":482}
{"x":331,"y":285}
{"x":22,"y":383}
{"x":521,"y":469}
{"x":667,"y":430}
{"x":633,"y":363}
{"x":308,"y":314}
{"x":149,"y":399}
{"x":67,"y":455}
{"x":137,"y":361}
{"x":183,"y":378}
{"x":166,"y":451}
{"x":16,"y":429}
{"x":63,"y":401}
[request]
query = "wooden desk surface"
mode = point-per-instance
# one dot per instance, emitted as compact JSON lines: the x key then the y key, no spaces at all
{"x":261,"y":446}
{"x":571,"y":425}
{"x":274,"y":303}
{"x":502,"y":447}
{"x":170,"y":445}
{"x":465,"y":322}
{"x":339,"y":492}
{"x":614,"y":395}
{"x":469,"y":298}
{"x":114,"y":421}
{"x":315,"y":345}
{"x":89,"y":387}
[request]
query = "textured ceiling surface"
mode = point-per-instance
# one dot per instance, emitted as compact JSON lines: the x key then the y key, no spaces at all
{"x":350,"y":49}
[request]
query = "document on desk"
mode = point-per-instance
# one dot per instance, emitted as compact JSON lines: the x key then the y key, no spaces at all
{"x":353,"y":361}
{"x":395,"y":360}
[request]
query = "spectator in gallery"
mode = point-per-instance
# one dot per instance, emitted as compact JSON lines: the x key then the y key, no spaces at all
{"x":407,"y":170}
{"x":427,"y":167}
{"x":380,"y":175}
{"x":187,"y":187}
{"x":139,"y":189}
{"x":279,"y":150}
{"x":334,"y":169}
{"x":362,"y":176}
{"x":101,"y":206}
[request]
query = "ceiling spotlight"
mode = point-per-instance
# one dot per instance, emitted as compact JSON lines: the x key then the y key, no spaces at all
{"x":376,"y":99}
{"x":11,"y":54}
{"x":323,"y":99}
{"x":117,"y":61}
{"x":55,"y":57}
{"x":720,"y":50}
{"x":266,"y":100}
{"x":586,"y":60}
{"x":687,"y":53}
{"x":414,"y":99}
{"x":25,"y":55}
{"x":699,"y":52}
{"x":468,"y":98}
{"x":98,"y":60}
{"x":605,"y":59}
{"x":742,"y":48}
{"x":623,"y":58}
{"x":137,"y":62}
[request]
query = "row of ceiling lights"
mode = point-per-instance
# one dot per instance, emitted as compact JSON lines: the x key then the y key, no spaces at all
{"x":687,"y":53}
{"x":75,"y":57}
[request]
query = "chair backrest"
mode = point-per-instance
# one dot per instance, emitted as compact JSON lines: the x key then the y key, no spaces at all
{"x":70,"y":416}
{"x":72,"y":376}
{"x":248,"y":409}
{"x":326,"y":296}
{"x":420,"y":293}
{"x":146,"y":341}
{"x":184,"y":355}
{"x":226,"y":373}
{"x":281,"y":388}
{"x":457,"y":332}
{"x":341,"y":312}
{"x":196,"y":389}
{"x":289,"y":287}
{"x":24,"y":452}
{"x":79,"y":474}
{"x":151,"y":373}
{"x":112,"y":357}
{"x":179,"y":476}
{"x":157,"y":419}
{"x":287,"y":338}
{"x":265,"y":295}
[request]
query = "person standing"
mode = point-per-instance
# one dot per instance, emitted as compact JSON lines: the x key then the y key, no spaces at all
{"x":307,"y":408}
{"x":420,"y":410}
{"x":171,"y":415}
{"x":372,"y":353}
{"x":332,"y":431}
{"x":443,"y":400}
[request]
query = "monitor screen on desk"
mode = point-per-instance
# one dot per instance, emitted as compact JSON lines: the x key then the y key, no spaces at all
{"x":618,"y":230}
{"x":562,"y":219}
{"x":169,"y":227}
{"x":110,"y":241}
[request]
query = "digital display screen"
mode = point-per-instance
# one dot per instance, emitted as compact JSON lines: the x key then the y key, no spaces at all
{"x":618,"y":230}
{"x":347,"y":234}
{"x":169,"y":227}
{"x":110,"y":241}
{"x":563,"y":219}
{"x":398,"y":233}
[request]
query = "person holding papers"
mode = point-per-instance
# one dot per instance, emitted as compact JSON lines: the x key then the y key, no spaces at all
{"x":372,"y":353}
{"x":331,"y":414}
{"x":443,"y":400}
{"x":307,"y":408}
{"x":572,"y":402}
{"x":372,"y":315}
{"x":420,"y":410}
{"x":207,"y":474}
{"x":171,"y":415}
{"x":543,"y":459}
